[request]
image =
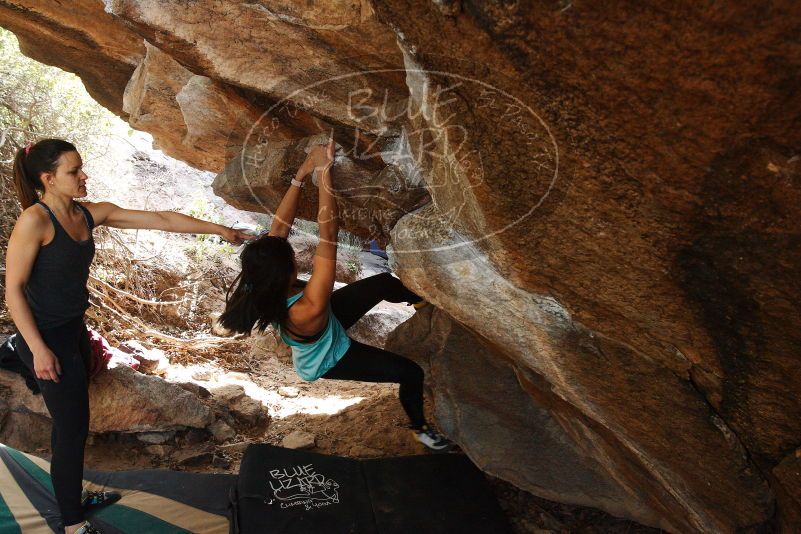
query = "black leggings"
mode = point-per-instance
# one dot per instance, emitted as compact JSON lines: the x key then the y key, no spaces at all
{"x":370,"y":364}
{"x":68,"y":404}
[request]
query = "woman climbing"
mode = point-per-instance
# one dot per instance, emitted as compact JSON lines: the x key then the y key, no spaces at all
{"x":312,"y":318}
{"x":47,"y":268}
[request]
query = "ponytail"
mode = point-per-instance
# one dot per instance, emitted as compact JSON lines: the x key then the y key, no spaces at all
{"x":29,"y":164}
{"x":26,"y":187}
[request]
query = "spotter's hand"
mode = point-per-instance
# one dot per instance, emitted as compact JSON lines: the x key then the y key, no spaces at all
{"x":46,"y":365}
{"x":235,"y":236}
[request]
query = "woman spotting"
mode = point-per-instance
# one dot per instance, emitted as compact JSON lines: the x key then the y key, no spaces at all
{"x":47,"y":268}
{"x":312,"y":318}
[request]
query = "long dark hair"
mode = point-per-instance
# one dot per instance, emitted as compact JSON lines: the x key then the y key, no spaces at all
{"x":29,"y":164}
{"x":257,"y":297}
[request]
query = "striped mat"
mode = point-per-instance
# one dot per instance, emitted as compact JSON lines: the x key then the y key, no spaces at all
{"x":153,"y":501}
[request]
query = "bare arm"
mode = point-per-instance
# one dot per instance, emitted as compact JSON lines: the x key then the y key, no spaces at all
{"x":318,"y":291}
{"x":106,"y":213}
{"x":284,"y":216}
{"x":285,"y":213}
{"x":23,"y":247}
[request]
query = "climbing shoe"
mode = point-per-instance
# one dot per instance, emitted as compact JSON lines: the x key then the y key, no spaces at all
{"x":92,"y":500}
{"x":432,"y":439}
{"x":87,"y":528}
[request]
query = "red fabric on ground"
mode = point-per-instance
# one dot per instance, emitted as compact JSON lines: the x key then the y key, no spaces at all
{"x":102,"y":353}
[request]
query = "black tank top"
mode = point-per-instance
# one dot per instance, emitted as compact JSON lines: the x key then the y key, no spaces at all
{"x":56,"y":288}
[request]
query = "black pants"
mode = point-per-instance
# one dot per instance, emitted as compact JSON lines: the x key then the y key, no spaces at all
{"x":68,"y":404}
{"x":370,"y":364}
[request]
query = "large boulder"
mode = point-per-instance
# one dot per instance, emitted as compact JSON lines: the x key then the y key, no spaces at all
{"x":603,"y":200}
{"x":190,"y":116}
{"x":82,"y":39}
{"x":122,"y":400}
{"x":514,"y":424}
{"x":378,"y":324}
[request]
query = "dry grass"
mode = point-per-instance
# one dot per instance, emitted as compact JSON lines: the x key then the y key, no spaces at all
{"x":144,"y":300}
{"x":9,"y":210}
{"x":141,"y":295}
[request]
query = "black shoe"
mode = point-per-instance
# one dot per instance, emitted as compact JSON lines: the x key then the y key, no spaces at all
{"x":93,"y":500}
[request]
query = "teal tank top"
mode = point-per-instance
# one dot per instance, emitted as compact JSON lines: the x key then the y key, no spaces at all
{"x":313,"y":360}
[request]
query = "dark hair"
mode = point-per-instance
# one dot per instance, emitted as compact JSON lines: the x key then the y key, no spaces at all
{"x":29,"y":164}
{"x":257,"y":297}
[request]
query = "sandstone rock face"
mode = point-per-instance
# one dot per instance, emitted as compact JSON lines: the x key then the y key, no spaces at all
{"x":788,"y":473}
{"x":82,"y":39}
{"x":648,"y":289}
{"x":376,"y":326}
{"x":516,"y":426}
{"x":205,"y":97}
{"x":600,"y":202}
{"x":512,"y":426}
{"x":162,"y":95}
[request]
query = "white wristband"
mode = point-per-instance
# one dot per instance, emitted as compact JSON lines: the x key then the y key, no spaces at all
{"x":297,"y":183}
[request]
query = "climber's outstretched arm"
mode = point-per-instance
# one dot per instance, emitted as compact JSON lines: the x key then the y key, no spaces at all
{"x":285,"y":214}
{"x":321,"y":283}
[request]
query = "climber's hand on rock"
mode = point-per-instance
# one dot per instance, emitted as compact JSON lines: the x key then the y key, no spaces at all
{"x":319,"y":156}
{"x":306,"y":167}
{"x":45,"y":365}
{"x":330,"y":149}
